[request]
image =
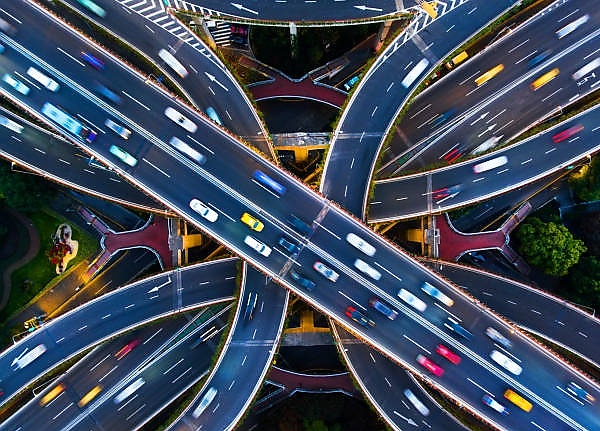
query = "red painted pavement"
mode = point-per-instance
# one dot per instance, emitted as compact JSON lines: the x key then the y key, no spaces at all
{"x":454,"y":244}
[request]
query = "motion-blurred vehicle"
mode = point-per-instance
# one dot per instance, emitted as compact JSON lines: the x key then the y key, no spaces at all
{"x":430,"y":366}
{"x":92,"y":60}
{"x":307,"y":283}
{"x":495,"y":335}
{"x":383,"y":309}
{"x":178,"y":118}
{"x":359,"y":317}
{"x":122,"y":131}
{"x":288,"y":245}
{"x":567,"y":133}
{"x":576,"y":390}
{"x":257,"y":245}
{"x":127,"y":348}
{"x":505,"y":362}
{"x":360,"y":244}
{"x":444,"y":192}
{"x":435,"y":293}
{"x":16,"y":84}
{"x":491,"y":402}
{"x":325,"y":271}
{"x":448,"y":354}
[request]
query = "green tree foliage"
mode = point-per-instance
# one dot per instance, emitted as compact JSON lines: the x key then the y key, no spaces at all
{"x":23,"y":192}
{"x":549,"y":246}
{"x":584,"y":282}
{"x":587,"y":185}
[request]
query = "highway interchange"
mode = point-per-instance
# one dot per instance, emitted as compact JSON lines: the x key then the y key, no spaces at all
{"x":329,"y":223}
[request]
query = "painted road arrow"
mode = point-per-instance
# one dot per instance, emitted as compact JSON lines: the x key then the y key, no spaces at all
{"x":240,"y":7}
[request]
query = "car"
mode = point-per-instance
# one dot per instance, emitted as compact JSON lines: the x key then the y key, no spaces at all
{"x":16,"y":84}
{"x":178,"y":118}
{"x":442,"y":118}
{"x":299,"y":224}
{"x":360,"y":244}
{"x":382,"y":308}
{"x":489,"y":401}
{"x":351,"y":82}
{"x":252,"y":222}
{"x":93,"y":61}
{"x":576,"y":390}
{"x":505,"y":362}
{"x":325,"y":271}
{"x":429,"y":365}
{"x":206,"y":400}
{"x":123,"y":155}
{"x":495,"y":335}
{"x":454,"y":153}
{"x":416,"y":402}
{"x":122,"y":131}
{"x":412,"y":300}
{"x":539,"y":58}
{"x":250,"y":306}
{"x":107,"y":93}
{"x":202,"y":209}
{"x":365,"y":268}
{"x":455,"y":327}
{"x":435,"y":293}
{"x":307,"y":283}
{"x":567,"y":133}
{"x":186,"y":149}
{"x":127,"y":348}
{"x":93,"y":393}
{"x":288,"y":245}
{"x":358,"y":317}
{"x":258,"y":246}
{"x":448,"y":354}
{"x":444,"y":192}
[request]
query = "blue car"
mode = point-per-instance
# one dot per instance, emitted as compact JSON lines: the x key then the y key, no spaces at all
{"x":96,"y":63}
{"x":288,"y":246}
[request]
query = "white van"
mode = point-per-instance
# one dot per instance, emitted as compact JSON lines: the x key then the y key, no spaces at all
{"x":49,"y":83}
{"x":505,"y":362}
{"x":206,"y":400}
{"x":367,"y":269}
{"x":258,"y":246}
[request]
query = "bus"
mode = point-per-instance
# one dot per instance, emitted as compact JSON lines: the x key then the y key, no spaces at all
{"x":173,"y":63}
{"x":414,"y":73}
{"x":68,"y":123}
{"x":93,"y":7}
{"x":544,"y":79}
{"x":53,"y":393}
{"x":490,"y":164}
{"x":489,"y":74}
{"x":30,"y":356}
{"x":570,"y":28}
{"x":518,"y":400}
{"x":592,"y":65}
{"x":265,"y":180}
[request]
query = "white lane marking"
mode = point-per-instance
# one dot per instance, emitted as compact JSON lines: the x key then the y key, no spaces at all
{"x":202,"y":145}
{"x":136,"y":101}
{"x":352,"y":300}
{"x":152,"y":336}
{"x":82,"y":64}
{"x":157,"y":168}
{"x":135,"y":412}
{"x":172,"y":366}
{"x":128,"y":401}
{"x":582,"y":334}
{"x":518,"y":46}
{"x":102,"y":360}
{"x":181,"y":375}
{"x":416,"y":344}
{"x":389,"y":272}
{"x":106,"y":375}
{"x":62,"y":411}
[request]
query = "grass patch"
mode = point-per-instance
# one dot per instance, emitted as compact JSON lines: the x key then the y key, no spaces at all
{"x":39,"y":271}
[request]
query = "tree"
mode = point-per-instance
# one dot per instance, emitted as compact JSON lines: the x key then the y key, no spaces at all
{"x":22,"y":192}
{"x":584,"y":282}
{"x":586,"y":183}
{"x":549,"y":246}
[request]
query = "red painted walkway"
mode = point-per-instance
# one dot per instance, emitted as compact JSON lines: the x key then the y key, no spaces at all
{"x":453,"y":244}
{"x":154,"y":235}
{"x":281,"y":86}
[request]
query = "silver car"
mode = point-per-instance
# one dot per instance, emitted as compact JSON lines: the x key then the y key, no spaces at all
{"x":122,"y":131}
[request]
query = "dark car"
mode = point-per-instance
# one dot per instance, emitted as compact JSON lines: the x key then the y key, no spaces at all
{"x":288,"y":246}
{"x":299,"y":224}
{"x":455,"y":327}
{"x":95,"y":62}
{"x":358,"y":317}
{"x":302,"y":281}
{"x":539,"y":58}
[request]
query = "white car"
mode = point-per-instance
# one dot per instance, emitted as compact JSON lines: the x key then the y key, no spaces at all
{"x":206,"y":400}
{"x":187,"y":150}
{"x":122,"y":131}
{"x":202,"y":209}
{"x":367,"y":269}
{"x":16,"y":84}
{"x":498,"y":337}
{"x":178,"y":118}
{"x":412,"y":300}
{"x":505,"y":362}
{"x":325,"y":271}
{"x":416,"y":402}
{"x":360,"y":244}
{"x":435,"y":293}
{"x":258,"y":246}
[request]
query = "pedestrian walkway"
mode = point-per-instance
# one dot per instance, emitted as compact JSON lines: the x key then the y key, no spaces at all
{"x":283,"y":86}
{"x":453,"y":243}
{"x":154,"y":235}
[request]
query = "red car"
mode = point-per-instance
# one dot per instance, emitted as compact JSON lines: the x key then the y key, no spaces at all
{"x":430,"y":366}
{"x":566,"y":134}
{"x":448,"y":354}
{"x":127,"y":348}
